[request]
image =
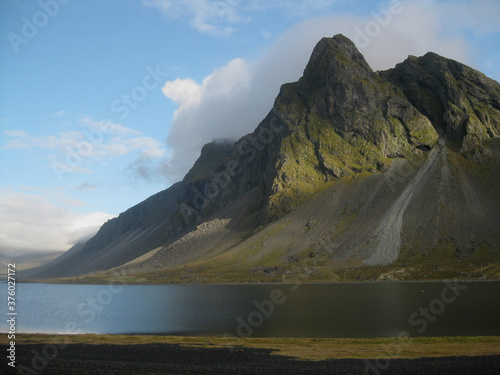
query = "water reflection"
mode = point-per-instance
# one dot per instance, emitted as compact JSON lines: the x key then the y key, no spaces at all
{"x":321,"y":310}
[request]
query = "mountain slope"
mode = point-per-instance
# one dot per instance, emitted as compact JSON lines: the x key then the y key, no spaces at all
{"x":27,"y":261}
{"x":138,"y":230}
{"x":430,"y":215}
{"x":350,"y":168}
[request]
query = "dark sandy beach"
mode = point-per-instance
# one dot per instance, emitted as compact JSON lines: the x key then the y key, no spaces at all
{"x":78,"y":359}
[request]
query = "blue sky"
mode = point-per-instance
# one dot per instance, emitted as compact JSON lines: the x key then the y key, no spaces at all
{"x":104,"y":103}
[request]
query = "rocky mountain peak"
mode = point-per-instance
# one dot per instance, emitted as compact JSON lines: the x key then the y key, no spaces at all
{"x":335,"y":80}
{"x":333,"y":55}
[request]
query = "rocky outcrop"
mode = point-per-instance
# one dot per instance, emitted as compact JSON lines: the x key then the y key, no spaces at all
{"x":461,"y":102}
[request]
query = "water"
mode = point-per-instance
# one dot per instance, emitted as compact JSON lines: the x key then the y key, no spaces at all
{"x":282,"y":310}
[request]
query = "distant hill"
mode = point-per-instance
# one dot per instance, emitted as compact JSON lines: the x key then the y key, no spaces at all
{"x":352,"y":174}
{"x":4,"y":261}
{"x":26,"y":261}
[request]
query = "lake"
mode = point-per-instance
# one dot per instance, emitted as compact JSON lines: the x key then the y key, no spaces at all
{"x":281,"y":310}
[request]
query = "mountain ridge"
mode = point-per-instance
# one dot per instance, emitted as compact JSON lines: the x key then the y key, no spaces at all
{"x":340,"y":124}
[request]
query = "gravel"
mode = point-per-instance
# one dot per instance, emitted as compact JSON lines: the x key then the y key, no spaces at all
{"x":79,"y":359}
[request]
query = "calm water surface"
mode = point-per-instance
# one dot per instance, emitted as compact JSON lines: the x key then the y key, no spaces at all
{"x":319,"y":310}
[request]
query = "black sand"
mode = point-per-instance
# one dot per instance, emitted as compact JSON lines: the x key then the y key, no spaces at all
{"x":78,"y":359}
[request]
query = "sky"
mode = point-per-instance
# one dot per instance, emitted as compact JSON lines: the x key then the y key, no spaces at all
{"x":106,"y":102}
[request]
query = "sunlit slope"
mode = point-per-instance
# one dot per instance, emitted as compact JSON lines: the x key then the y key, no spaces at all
{"x":438,"y":211}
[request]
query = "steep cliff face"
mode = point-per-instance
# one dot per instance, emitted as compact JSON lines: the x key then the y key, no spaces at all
{"x":460,"y":101}
{"x":341,"y":119}
{"x":350,"y":166}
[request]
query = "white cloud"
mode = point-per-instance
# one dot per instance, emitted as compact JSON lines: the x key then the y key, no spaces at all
{"x":415,"y":30}
{"x":479,"y":16}
{"x":232,"y":100}
{"x":31,"y":222}
{"x":184,"y":92}
{"x":216,"y":108}
{"x":197,"y":100}
{"x":96,"y":141}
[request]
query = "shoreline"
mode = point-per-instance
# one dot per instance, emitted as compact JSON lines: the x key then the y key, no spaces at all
{"x":66,"y":282}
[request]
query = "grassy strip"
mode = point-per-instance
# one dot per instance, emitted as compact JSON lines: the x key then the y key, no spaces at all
{"x":310,"y":271}
{"x":321,"y":274}
{"x":311,"y":349}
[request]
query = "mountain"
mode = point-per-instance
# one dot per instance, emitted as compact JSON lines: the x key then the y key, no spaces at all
{"x":4,"y":262}
{"x":26,"y":261}
{"x":391,"y":174}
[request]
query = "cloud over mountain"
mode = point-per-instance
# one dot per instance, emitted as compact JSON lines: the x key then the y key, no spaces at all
{"x":234,"y":98}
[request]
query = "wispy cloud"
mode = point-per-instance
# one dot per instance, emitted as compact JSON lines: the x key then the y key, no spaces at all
{"x":96,"y":141}
{"x":59,"y":113}
{"x":86,"y":187}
